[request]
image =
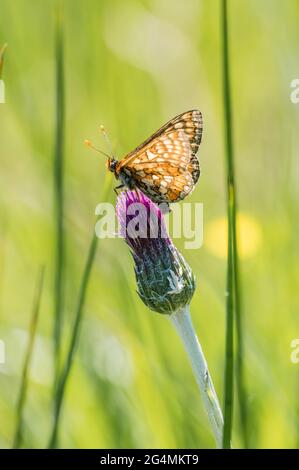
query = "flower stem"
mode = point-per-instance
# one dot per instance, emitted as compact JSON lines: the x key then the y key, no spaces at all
{"x":182,"y":322}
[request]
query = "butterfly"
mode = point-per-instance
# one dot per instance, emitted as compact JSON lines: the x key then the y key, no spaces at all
{"x":164,"y":167}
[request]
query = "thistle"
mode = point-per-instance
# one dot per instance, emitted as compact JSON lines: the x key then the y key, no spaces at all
{"x":164,"y":279}
{"x":166,"y":285}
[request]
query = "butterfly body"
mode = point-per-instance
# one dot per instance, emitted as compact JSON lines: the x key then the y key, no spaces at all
{"x":165,"y":166}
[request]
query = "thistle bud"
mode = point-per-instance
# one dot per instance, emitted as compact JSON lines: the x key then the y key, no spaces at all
{"x":164,"y":279}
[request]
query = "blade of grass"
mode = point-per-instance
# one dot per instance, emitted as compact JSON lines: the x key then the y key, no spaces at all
{"x":61,"y":384}
{"x":229,"y":357}
{"x":233,"y":304}
{"x":2,"y":53}
{"x":62,"y":379}
{"x":59,"y":190}
{"x":24,"y":380}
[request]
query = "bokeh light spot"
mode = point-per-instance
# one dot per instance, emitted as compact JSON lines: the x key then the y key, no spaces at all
{"x":249,"y":236}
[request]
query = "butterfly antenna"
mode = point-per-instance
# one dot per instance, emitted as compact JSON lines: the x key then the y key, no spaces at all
{"x":89,"y":144}
{"x":106,"y":137}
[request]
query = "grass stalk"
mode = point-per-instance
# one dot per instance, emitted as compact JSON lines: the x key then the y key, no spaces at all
{"x":59,"y":191}
{"x":233,"y":302}
{"x":17,"y":441}
{"x":2,"y":53}
{"x":62,"y":381}
{"x":62,"y":377}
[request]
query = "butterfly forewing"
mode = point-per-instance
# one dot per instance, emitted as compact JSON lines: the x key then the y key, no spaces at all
{"x":165,"y":166}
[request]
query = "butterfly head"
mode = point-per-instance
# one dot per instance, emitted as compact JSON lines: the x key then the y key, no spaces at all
{"x":111,"y":164}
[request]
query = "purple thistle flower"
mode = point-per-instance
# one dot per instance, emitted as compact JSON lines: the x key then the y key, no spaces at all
{"x":164,"y":279}
{"x":166,"y":285}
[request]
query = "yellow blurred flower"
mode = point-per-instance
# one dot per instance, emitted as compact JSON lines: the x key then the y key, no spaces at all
{"x":249,"y":236}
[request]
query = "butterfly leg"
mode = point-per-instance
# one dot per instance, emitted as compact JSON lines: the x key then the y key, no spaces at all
{"x":137,"y":194}
{"x":164,"y":208}
{"x":118,"y":187}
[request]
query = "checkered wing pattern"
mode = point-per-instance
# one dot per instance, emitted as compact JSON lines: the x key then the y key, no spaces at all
{"x":165,"y":167}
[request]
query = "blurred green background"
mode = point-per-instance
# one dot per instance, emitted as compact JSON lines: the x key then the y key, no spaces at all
{"x":134,"y":65}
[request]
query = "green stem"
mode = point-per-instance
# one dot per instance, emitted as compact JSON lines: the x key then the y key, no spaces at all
{"x":59,"y":191}
{"x":233,"y":304}
{"x":24,"y":380}
{"x":232,"y":308}
{"x":62,"y":381}
{"x":229,"y":340}
{"x":2,"y":53}
{"x":182,"y":322}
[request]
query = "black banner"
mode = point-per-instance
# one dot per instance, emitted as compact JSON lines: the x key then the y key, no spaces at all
{"x":130,"y":458}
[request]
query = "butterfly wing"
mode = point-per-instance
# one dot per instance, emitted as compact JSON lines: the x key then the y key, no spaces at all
{"x":165,"y":166}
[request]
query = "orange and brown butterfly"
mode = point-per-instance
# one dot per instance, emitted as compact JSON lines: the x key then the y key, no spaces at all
{"x":164,"y":167}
